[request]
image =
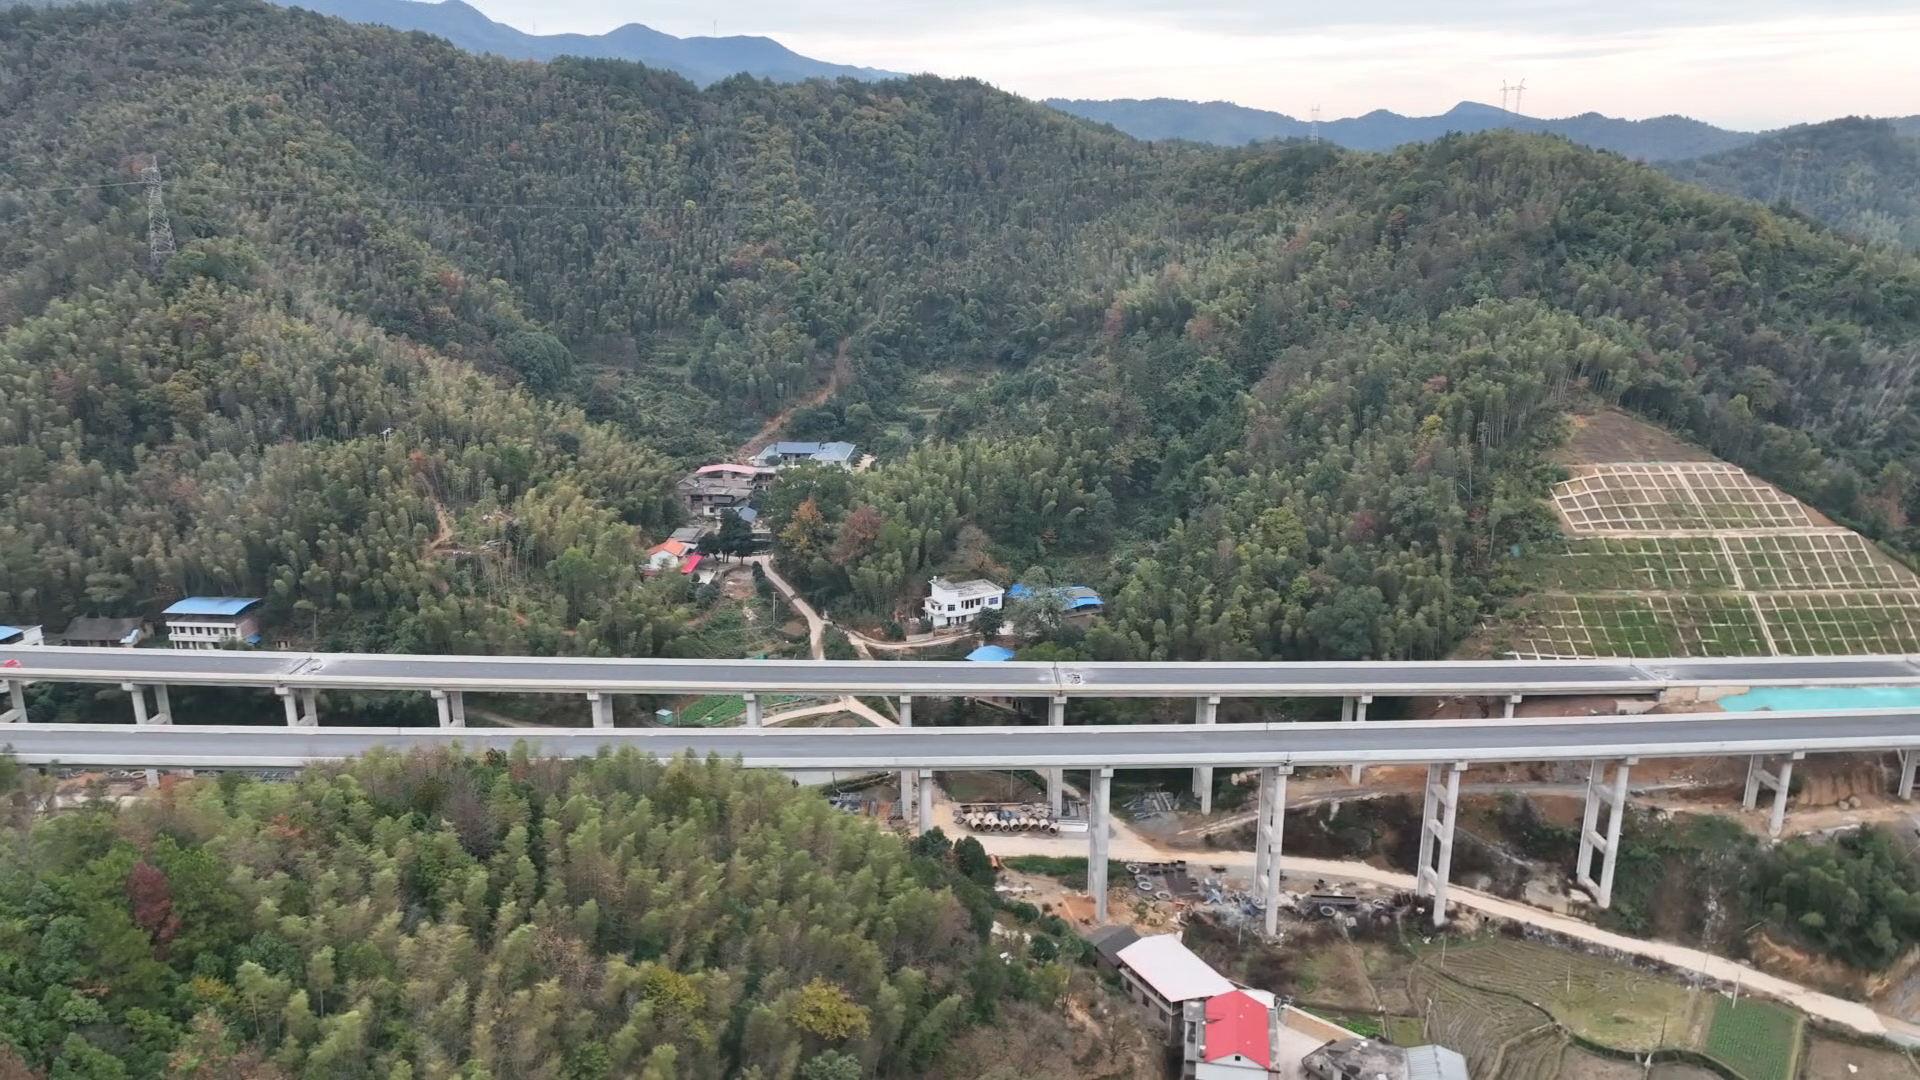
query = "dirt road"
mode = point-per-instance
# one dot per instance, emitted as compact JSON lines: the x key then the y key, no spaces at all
{"x":1127,"y":846}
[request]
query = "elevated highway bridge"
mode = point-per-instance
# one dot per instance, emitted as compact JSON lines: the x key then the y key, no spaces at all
{"x":1771,"y":741}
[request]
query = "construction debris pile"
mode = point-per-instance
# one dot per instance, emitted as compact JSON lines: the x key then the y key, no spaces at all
{"x":855,"y":802}
{"x":1007,"y":817}
{"x":1150,"y":805}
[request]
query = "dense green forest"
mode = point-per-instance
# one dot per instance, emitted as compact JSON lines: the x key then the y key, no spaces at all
{"x":443,"y":916}
{"x":1859,"y":176}
{"x":441,"y":329}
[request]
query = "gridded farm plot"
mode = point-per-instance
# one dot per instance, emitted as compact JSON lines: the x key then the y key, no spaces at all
{"x":1667,"y":496}
{"x":1730,"y":498}
{"x":1605,"y":563}
{"x":1824,"y":560}
{"x":1639,"y":498}
{"x":1842,"y":623}
{"x":1652,"y":625}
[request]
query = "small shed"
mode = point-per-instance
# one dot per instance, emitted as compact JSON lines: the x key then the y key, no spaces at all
{"x":90,"y":632}
{"x":21,"y":635}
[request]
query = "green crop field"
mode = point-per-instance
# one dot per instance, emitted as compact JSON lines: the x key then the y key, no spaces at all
{"x":1608,"y":1003}
{"x":1757,"y":1039}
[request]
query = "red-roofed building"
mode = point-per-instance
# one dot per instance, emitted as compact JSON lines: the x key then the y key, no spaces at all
{"x":1237,"y":1031}
{"x":1246,"y":1035}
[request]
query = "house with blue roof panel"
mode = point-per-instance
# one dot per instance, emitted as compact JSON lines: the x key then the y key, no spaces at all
{"x":213,"y":622}
{"x":793,"y":453}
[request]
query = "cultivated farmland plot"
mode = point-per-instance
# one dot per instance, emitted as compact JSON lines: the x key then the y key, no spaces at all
{"x":1757,"y":1039}
{"x":1701,"y":559}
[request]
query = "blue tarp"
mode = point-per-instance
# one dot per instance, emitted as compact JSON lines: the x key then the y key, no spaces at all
{"x":991,"y":654}
{"x":212,"y":605}
{"x":1076,"y":596}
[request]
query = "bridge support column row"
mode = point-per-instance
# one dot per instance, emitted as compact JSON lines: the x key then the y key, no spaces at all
{"x":1909,"y":764}
{"x":1206,"y":711}
{"x":162,"y":709}
{"x":1614,"y":795}
{"x":1759,"y":776}
{"x":1056,"y":778}
{"x":1513,"y":702}
{"x":1355,"y":711}
{"x":1099,"y":814}
{"x":16,"y":711}
{"x":1436,"y":836}
{"x":753,"y":710}
{"x":303,"y":706}
{"x":1269,"y":826}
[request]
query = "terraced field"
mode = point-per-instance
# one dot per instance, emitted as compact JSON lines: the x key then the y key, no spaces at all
{"x":1691,"y":558}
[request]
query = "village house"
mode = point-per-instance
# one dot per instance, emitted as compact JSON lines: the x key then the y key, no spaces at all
{"x":758,"y":475}
{"x":707,"y":496}
{"x":96,"y":633}
{"x":669,"y":555}
{"x":212,"y":622}
{"x":1247,"y":1035}
{"x":21,"y":635}
{"x":957,"y":603}
{"x":781,"y":454}
{"x":1162,"y":975}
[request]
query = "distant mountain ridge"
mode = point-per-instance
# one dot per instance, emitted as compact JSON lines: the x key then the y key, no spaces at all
{"x":704,"y":60}
{"x":1860,"y":176}
{"x":1226,"y":124}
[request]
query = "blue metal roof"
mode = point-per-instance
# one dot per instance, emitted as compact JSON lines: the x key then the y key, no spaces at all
{"x":1076,"y":596}
{"x":747,"y":514}
{"x":212,"y":605}
{"x":991,"y":654}
{"x":11,"y":631}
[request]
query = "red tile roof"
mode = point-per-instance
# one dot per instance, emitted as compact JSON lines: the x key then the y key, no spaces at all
{"x":1238,"y":1024}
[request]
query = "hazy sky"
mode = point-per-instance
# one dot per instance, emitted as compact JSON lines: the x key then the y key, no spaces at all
{"x":1739,"y":63}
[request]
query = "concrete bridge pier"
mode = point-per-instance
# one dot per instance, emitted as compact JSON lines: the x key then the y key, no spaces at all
{"x":303,"y":706}
{"x":450,"y":704}
{"x":1269,"y":827}
{"x":16,"y":712}
{"x":1436,"y":835}
{"x":923,"y":797}
{"x":1513,"y":702}
{"x":1758,"y":776}
{"x":753,"y":711}
{"x":1614,"y":796}
{"x":1056,"y":778}
{"x":1909,"y":763}
{"x":162,"y":709}
{"x":909,"y":778}
{"x":1355,"y":711}
{"x":1206,"y":710}
{"x":1099,"y":821}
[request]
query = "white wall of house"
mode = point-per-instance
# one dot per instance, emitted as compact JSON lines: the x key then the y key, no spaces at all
{"x":200,"y":632}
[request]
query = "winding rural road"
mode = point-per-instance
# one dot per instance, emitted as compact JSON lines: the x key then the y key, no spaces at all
{"x":1128,"y":846}
{"x":817,"y":648}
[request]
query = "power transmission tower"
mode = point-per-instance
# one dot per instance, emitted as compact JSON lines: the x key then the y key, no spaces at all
{"x":159,"y":225}
{"x":1315,"y":123}
{"x":1517,"y":91}
{"x":1504,"y":91}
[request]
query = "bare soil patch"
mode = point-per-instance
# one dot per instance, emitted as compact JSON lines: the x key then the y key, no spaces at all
{"x":1831,"y":1058}
{"x":1580,"y":1065}
{"x":1612,"y":435}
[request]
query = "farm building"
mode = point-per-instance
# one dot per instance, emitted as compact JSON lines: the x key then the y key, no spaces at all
{"x":212,"y":622}
{"x":1368,"y":1059}
{"x":1162,"y":974}
{"x":782,"y":454}
{"x":21,"y":635}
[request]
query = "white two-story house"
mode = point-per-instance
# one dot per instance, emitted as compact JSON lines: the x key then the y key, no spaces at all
{"x":956,"y":603}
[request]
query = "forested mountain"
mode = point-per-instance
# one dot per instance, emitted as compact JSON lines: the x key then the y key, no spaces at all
{"x":441,"y":328}
{"x":1223,"y":123}
{"x":1860,"y":176}
{"x":439,"y":917}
